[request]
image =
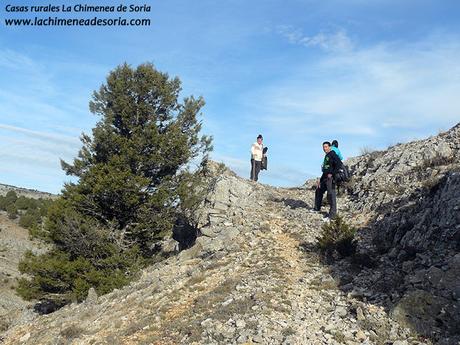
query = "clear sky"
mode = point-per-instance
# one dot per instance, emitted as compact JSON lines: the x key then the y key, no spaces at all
{"x":369,"y":73}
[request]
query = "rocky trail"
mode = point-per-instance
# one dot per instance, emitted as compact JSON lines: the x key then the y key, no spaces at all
{"x":260,"y":281}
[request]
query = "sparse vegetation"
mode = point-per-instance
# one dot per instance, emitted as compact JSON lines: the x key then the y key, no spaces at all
{"x":288,"y":331}
{"x":24,"y":203}
{"x":71,"y":332}
{"x":348,"y":186}
{"x":4,"y":323}
{"x":12,"y":211}
{"x":338,"y":236}
{"x":431,"y":182}
{"x":339,"y":337}
{"x":31,"y":212}
{"x":437,"y":160}
{"x":31,"y":218}
{"x":391,"y":188}
{"x":365,"y":150}
{"x":196,"y":279}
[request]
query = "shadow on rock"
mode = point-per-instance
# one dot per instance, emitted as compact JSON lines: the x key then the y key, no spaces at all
{"x":408,"y":261}
{"x":184,"y":233}
{"x":48,"y":306}
{"x":292,"y":203}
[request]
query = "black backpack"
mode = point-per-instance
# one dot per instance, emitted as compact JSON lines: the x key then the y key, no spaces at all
{"x":342,"y":174}
{"x":264,"y":163}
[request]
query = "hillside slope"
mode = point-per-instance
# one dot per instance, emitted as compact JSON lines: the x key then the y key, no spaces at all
{"x":14,"y":242}
{"x":29,"y":193}
{"x":411,"y":195}
{"x":255,"y":274}
{"x":250,"y":277}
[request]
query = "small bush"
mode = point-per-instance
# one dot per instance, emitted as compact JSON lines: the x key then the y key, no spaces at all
{"x":57,"y":275}
{"x":12,"y":211}
{"x":44,"y":205}
{"x":8,"y":200}
{"x":3,"y":203}
{"x":338,"y":236}
{"x":391,"y":188}
{"x":24,"y":203}
{"x":11,"y":197}
{"x":31,"y":218}
{"x":365,"y":150}
{"x":71,"y":332}
{"x":437,"y":160}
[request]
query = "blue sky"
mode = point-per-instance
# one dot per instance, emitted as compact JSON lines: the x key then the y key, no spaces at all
{"x":369,"y":73}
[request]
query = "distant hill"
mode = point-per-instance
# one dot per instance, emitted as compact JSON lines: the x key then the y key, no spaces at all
{"x":30,"y":193}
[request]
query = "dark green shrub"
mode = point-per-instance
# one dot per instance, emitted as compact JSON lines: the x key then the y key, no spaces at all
{"x":12,"y":211}
{"x":11,"y":197}
{"x":44,"y":205}
{"x":3,"y":203}
{"x":338,"y":236}
{"x":8,"y":200}
{"x":24,"y":203}
{"x":31,"y":218}
{"x":56,"y":275}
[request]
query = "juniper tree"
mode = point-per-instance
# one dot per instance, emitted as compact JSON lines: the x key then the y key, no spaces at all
{"x":131,"y":169}
{"x":132,"y":175}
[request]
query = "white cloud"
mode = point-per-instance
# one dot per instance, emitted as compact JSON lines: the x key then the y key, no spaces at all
{"x":36,"y":151}
{"x":56,"y":138}
{"x":361,"y":91}
{"x":13,"y":60}
{"x":329,"y":41}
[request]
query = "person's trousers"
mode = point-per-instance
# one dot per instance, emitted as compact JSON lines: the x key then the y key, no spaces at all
{"x":255,"y":169}
{"x":326,"y":184}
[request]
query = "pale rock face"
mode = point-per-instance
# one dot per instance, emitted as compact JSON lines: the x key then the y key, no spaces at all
{"x":254,"y":274}
{"x":226,"y":199}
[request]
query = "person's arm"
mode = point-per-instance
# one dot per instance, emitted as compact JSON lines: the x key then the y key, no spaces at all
{"x":253,"y":152}
{"x":336,"y":163}
{"x":333,"y":159}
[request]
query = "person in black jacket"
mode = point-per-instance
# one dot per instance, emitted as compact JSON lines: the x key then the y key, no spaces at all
{"x":326,"y":183}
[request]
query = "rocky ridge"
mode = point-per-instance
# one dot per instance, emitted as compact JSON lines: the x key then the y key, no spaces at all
{"x":411,"y":195}
{"x":255,"y":276}
{"x":29,"y":193}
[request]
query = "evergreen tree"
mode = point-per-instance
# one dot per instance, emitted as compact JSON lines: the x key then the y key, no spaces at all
{"x":133,"y":178}
{"x":131,"y":169}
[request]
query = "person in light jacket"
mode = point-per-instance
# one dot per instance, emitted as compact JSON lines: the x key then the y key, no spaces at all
{"x":256,"y":157}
